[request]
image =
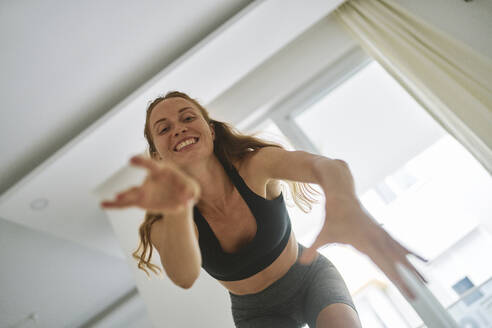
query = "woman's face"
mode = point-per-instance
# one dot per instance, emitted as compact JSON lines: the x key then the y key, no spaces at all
{"x":175,"y":120}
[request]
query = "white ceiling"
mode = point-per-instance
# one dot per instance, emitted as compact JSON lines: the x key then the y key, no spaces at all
{"x":65,"y":65}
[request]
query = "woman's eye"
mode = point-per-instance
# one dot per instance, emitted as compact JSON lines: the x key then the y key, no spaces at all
{"x":189,"y":118}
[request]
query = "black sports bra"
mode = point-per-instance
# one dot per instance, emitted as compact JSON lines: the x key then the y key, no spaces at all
{"x":272,"y":235}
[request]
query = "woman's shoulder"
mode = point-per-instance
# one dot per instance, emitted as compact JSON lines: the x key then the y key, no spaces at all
{"x":257,"y":162}
{"x":252,"y":175}
{"x":245,"y":164}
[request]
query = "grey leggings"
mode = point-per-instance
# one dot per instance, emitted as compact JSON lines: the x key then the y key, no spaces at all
{"x":295,"y":299}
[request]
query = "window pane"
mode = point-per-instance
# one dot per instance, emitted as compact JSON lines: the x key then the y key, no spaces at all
{"x":414,"y":178}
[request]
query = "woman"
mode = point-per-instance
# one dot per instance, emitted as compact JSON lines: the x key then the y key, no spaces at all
{"x":213,"y":200}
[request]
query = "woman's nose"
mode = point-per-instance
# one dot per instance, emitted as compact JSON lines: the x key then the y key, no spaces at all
{"x":180,"y":130}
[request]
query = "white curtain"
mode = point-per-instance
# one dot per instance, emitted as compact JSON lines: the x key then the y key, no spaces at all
{"x":448,"y":78}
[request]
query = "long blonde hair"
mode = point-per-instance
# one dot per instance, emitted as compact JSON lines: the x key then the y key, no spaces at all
{"x":229,"y":146}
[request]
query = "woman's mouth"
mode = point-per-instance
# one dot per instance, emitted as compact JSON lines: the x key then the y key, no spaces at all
{"x":184,"y":146}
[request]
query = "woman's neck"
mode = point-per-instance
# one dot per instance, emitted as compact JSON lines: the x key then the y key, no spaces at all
{"x":216,"y":186}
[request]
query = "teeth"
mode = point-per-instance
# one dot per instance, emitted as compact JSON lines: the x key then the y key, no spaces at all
{"x":185,"y":143}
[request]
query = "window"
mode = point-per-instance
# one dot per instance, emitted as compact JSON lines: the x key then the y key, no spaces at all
{"x":414,"y":178}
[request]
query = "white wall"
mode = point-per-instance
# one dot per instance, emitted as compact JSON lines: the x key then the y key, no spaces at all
{"x":41,"y":274}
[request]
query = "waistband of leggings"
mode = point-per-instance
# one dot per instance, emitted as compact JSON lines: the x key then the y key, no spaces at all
{"x":281,"y":289}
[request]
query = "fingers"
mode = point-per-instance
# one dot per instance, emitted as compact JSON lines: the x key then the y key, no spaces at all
{"x":400,"y":283}
{"x":401,"y":254}
{"x":414,"y":270}
{"x":408,"y":251}
{"x":403,"y":259}
{"x":147,"y":163}
{"x":127,"y":198}
{"x":390,"y":253}
{"x":415,"y":254}
{"x":387,"y":263}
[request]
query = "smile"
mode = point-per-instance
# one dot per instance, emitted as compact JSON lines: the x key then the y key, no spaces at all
{"x":185,"y":145}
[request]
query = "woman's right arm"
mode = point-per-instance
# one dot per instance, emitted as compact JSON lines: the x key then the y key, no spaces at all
{"x":176,"y":239}
{"x":169,"y":191}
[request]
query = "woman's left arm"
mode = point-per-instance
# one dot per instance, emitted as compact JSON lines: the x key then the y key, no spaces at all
{"x":346,"y":220}
{"x":277,"y":163}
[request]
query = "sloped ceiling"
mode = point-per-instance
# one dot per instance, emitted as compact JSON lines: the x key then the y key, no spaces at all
{"x":64,"y":65}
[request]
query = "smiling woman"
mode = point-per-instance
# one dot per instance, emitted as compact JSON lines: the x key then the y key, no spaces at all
{"x":232,"y":145}
{"x":212,"y":200}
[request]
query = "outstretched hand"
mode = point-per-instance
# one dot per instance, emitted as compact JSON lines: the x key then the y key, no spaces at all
{"x":166,"y":189}
{"x":347,"y":222}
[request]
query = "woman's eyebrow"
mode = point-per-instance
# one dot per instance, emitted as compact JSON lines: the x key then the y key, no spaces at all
{"x":163,"y":119}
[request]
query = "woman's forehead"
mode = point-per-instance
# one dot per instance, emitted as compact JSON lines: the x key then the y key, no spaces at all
{"x":170,"y":107}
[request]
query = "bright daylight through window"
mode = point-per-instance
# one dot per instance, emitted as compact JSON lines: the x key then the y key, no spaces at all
{"x":415,"y":179}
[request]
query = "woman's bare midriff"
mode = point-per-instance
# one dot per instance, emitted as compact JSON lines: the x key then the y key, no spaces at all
{"x":282,"y":263}
{"x":267,"y":276}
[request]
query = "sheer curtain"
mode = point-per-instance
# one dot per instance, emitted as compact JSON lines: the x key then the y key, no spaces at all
{"x":451,"y":81}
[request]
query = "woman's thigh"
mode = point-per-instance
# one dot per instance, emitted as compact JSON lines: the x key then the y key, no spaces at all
{"x":326,"y":287}
{"x":338,"y":315}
